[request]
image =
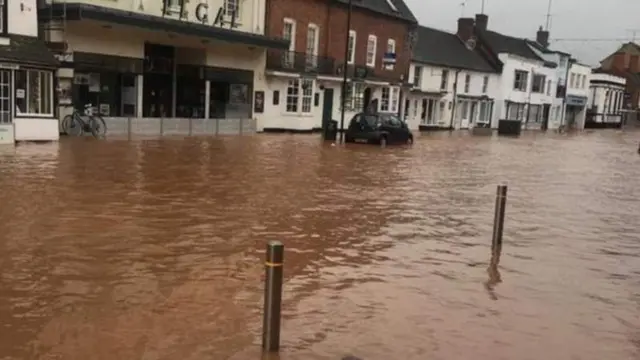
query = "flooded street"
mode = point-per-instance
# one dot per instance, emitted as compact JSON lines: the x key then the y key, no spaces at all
{"x":154,"y":249}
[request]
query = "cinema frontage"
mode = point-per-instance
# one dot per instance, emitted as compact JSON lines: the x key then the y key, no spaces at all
{"x":143,"y":67}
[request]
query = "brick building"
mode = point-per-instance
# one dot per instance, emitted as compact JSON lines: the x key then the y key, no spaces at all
{"x":304,"y":83}
{"x":625,"y":62}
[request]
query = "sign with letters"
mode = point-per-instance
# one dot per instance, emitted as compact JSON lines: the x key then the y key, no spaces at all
{"x":202,"y":15}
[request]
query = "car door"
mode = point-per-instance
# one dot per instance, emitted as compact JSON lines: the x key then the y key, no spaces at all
{"x":394,"y":127}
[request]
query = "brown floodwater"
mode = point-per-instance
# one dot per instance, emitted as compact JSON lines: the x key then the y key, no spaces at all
{"x":153,"y":249}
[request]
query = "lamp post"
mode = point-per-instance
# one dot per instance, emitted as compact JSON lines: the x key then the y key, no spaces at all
{"x":344,"y":71}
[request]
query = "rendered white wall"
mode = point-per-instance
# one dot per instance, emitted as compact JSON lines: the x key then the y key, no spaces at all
{"x":23,"y":17}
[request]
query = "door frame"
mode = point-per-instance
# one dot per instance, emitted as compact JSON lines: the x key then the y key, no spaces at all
{"x":10,"y":97}
{"x":328,"y":97}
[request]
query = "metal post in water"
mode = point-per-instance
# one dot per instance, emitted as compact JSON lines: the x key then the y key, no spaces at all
{"x":272,"y":296}
{"x":498,"y":219}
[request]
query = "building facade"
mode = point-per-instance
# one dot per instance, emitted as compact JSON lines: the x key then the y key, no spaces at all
{"x":452,"y":85}
{"x":625,"y":62}
{"x":559,"y":87}
{"x":26,"y":76}
{"x":577,"y":96}
{"x":304,"y":81}
{"x":606,"y":100}
{"x":182,"y":61}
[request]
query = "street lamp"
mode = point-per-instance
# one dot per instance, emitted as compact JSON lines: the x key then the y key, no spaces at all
{"x":344,"y":70}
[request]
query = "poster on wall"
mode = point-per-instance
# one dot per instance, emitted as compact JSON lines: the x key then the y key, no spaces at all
{"x":258,"y":104}
{"x":238,"y":93}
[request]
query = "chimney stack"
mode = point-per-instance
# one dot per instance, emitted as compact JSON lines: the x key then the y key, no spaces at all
{"x":542,"y":37}
{"x":482,"y":21}
{"x":465,"y":28}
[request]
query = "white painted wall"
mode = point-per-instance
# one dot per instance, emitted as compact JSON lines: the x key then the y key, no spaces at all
{"x":36,"y":129}
{"x":276,"y":116}
{"x":22,"y":17}
{"x":507,"y":92}
{"x":251,"y":17}
{"x":431,"y":80}
{"x":6,"y":134}
{"x":579,"y":71}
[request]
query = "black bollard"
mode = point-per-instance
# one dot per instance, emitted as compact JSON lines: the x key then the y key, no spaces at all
{"x":272,"y":296}
{"x":498,"y":219}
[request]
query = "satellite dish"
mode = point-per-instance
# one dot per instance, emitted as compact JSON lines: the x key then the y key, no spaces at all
{"x":471,"y":43}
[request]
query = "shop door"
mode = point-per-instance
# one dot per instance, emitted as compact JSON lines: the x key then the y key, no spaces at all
{"x":5,"y":97}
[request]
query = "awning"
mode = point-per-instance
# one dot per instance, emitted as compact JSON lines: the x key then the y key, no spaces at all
{"x":27,"y":50}
{"x":79,"y":11}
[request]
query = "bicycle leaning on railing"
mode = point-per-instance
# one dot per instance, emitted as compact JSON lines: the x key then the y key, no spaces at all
{"x":75,"y":125}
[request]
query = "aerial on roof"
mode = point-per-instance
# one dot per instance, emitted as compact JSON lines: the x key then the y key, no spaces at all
{"x":439,"y":47}
{"x":393,"y":8}
{"x":510,"y":45}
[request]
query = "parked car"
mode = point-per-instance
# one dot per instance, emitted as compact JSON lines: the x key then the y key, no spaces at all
{"x":383,"y":129}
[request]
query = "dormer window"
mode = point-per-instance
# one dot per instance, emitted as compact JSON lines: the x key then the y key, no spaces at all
{"x":392,"y":5}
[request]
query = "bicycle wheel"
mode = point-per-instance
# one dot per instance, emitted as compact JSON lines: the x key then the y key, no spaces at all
{"x":65,"y":123}
{"x":98,"y":126}
{"x":75,"y":126}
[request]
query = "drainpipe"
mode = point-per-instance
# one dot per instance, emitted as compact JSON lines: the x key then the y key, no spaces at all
{"x":455,"y":95}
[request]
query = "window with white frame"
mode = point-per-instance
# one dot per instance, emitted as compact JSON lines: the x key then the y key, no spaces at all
{"x":312,"y":45}
{"x":444,"y":81}
{"x":385,"y":99}
{"x":372,"y":42}
{"x":483,"y":115}
{"x":34,"y":92}
{"x":391,"y":49}
{"x":354,"y":99}
{"x":231,"y":9}
{"x":417,"y":77}
{"x":395,"y":98}
{"x":289,"y":33}
{"x":389,"y":99}
{"x":520,"y":80}
{"x":5,"y":96}
{"x":485,"y":84}
{"x":573,"y":81}
{"x":299,"y":96}
{"x":535,"y":113}
{"x":351,"y":49}
{"x":172,"y":6}
{"x":515,"y":111}
{"x":467,"y":83}
{"x":538,"y":83}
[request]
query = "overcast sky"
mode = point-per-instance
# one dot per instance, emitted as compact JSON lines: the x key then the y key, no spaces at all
{"x":571,"y":19}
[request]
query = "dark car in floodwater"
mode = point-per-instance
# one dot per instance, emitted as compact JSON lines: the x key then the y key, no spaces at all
{"x":383,"y":129}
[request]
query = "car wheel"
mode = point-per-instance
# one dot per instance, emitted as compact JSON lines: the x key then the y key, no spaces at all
{"x":383,"y":141}
{"x":410,"y":141}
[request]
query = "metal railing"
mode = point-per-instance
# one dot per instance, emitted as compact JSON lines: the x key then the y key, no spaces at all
{"x":292,"y":61}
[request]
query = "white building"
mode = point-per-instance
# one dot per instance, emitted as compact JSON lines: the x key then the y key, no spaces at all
{"x":606,"y":99}
{"x":452,"y":85}
{"x":526,"y":90}
{"x":182,"y":61}
{"x":559,"y":87}
{"x":26,"y":76}
{"x":577,"y":96}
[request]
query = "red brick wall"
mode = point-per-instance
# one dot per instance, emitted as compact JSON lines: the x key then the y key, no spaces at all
{"x":331,"y":18}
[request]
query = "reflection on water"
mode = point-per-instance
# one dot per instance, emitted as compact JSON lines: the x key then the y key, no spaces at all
{"x":152,"y":249}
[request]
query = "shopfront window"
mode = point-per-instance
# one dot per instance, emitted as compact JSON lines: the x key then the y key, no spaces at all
{"x":34,"y":92}
{"x":5,"y":96}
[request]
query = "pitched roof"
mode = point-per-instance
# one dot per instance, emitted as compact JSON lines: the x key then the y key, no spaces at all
{"x":439,"y":47}
{"x":382,"y":7}
{"x":545,"y":50}
{"x":27,"y":50}
{"x":507,"y":44}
